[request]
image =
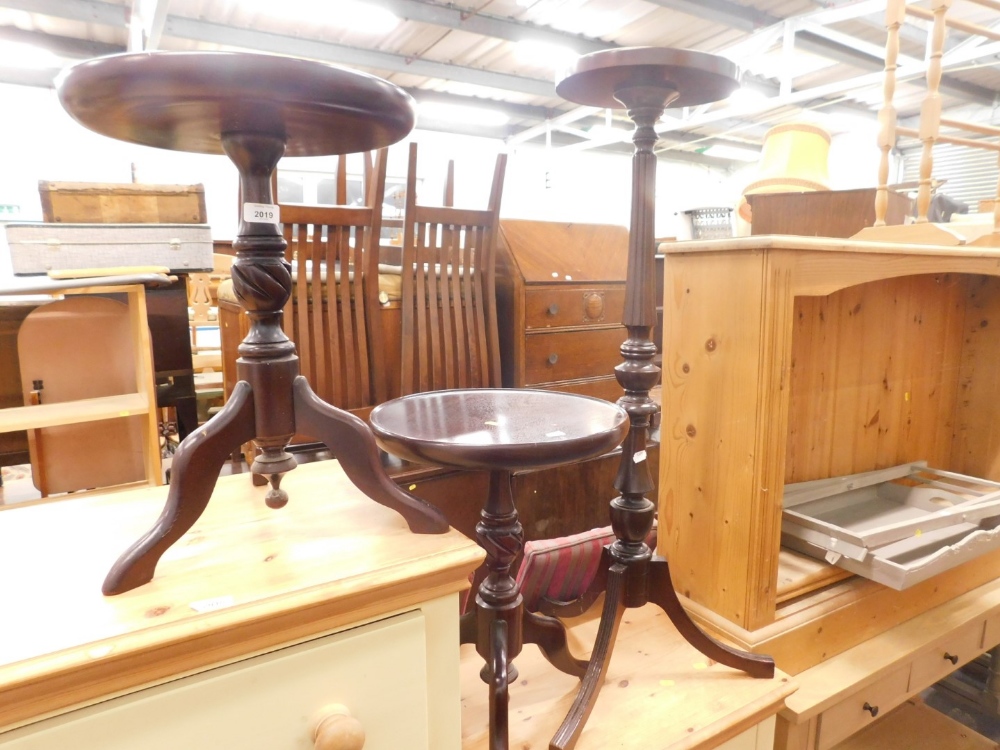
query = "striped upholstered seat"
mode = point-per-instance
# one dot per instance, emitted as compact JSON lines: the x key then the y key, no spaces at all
{"x":561,"y":569}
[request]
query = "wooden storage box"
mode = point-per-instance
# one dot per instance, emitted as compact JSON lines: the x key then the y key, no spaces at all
{"x":897,"y":526}
{"x":111,"y":203}
{"x":823,"y":213}
{"x":37,"y":248}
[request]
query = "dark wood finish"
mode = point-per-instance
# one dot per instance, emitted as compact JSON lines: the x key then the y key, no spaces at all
{"x":501,"y":430}
{"x":561,"y":296}
{"x":253,"y":108}
{"x":823,"y":213}
{"x":644,"y":81}
{"x":449,"y":291}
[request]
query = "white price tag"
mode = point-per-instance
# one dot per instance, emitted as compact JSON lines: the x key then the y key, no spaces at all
{"x":639,"y":457}
{"x":261,"y":213}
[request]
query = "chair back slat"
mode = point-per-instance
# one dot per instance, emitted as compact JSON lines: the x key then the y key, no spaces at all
{"x":332,"y":314}
{"x":450,"y":337}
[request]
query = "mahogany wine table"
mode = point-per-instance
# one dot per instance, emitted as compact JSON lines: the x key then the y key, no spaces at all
{"x":645,"y":81}
{"x":254,"y":108}
{"x":501,"y":431}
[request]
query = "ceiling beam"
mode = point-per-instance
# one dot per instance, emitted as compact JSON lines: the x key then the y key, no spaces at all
{"x":63,"y":46}
{"x":509,"y":29}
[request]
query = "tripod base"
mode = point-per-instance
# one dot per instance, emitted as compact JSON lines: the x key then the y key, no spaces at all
{"x":614,"y":581}
{"x":200,"y":457}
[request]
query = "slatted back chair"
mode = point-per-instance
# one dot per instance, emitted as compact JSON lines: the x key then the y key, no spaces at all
{"x":332,"y":312}
{"x":449,"y":335}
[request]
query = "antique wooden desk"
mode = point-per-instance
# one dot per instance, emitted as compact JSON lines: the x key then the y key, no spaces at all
{"x":255,"y":621}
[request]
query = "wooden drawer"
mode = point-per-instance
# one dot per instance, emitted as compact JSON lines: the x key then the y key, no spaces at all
{"x":849,"y":715}
{"x":551,"y":307}
{"x":571,"y":355}
{"x":379,"y":671}
{"x":959,"y":647}
{"x":991,"y":633}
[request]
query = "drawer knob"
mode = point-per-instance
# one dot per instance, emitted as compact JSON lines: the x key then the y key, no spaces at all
{"x":953,"y":658}
{"x":873,"y":710}
{"x":553,"y":358}
{"x":593,"y":305}
{"x":553,"y":309}
{"x":335,"y":729}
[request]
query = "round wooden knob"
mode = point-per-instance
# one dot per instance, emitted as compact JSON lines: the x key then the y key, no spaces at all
{"x":553,"y":358}
{"x":873,"y":710}
{"x":953,"y":658}
{"x":593,"y":306}
{"x":335,"y":729}
{"x":553,"y":309}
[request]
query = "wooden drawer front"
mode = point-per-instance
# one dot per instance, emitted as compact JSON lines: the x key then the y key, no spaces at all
{"x":960,"y":647}
{"x":576,"y":306}
{"x":265,"y":703}
{"x":570,"y":355}
{"x":850,"y":715}
{"x":991,"y":633}
{"x":606,"y":388}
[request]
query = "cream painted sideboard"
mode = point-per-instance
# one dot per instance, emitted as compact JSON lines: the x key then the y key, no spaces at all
{"x":256,"y":623}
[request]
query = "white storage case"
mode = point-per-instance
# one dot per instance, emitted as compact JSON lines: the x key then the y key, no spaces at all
{"x":38,"y":248}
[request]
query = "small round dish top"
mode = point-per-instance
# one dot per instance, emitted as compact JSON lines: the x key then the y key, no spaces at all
{"x":699,"y":77}
{"x":186,"y":101}
{"x":498,"y":428}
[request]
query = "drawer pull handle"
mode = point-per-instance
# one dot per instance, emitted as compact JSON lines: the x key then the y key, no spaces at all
{"x":553,"y":309}
{"x":873,"y":710}
{"x":953,"y":658}
{"x":553,"y":358}
{"x":335,"y":729}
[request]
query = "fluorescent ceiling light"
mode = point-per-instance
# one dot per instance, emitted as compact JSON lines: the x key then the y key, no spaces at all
{"x":461,"y":114}
{"x":736,"y":153}
{"x":19,"y":55}
{"x":544,"y":54}
{"x":746,"y":96}
{"x":356,"y":15}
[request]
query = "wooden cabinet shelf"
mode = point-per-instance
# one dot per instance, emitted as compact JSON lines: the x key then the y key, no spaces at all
{"x":73,"y":412}
{"x":788,"y":359}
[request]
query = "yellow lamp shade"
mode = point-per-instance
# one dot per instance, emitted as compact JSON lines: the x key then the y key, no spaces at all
{"x":794,"y":158}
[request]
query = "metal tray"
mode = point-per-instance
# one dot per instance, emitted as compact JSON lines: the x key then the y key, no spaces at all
{"x":897,"y":526}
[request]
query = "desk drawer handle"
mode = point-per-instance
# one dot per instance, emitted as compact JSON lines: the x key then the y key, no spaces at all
{"x":953,"y":658}
{"x":873,"y":710}
{"x":553,"y":358}
{"x":553,"y":309}
{"x":335,"y":729}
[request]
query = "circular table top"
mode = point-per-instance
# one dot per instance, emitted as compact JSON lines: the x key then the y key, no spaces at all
{"x":498,"y":428}
{"x":699,"y":77}
{"x":185,"y":101}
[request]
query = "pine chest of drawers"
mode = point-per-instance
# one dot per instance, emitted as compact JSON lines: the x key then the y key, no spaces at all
{"x":560,"y":298}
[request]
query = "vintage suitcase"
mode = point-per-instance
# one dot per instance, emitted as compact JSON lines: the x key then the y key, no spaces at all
{"x":38,"y":248}
{"x":897,"y":526}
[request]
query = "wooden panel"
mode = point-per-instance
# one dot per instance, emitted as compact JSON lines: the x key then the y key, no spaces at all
{"x":711,"y":500}
{"x":607,"y":388}
{"x":823,"y":213}
{"x":112,"y":203}
{"x":848,"y":716}
{"x":916,"y":726}
{"x":962,"y":645}
{"x":568,"y":355}
{"x":872,"y":379}
{"x":379,"y":672}
{"x":552,"y":307}
{"x":550,"y":250}
{"x":976,"y":448}
{"x":13,"y":445}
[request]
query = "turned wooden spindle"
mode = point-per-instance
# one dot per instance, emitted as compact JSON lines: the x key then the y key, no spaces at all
{"x":895,"y":12}
{"x":930,"y":112}
{"x":335,"y":729}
